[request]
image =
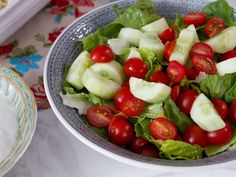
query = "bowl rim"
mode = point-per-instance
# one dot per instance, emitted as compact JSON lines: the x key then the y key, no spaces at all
{"x":96,"y":147}
{"x":35,"y":118}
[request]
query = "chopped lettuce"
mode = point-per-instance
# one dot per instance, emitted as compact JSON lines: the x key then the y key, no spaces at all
{"x":152,"y":111}
{"x":221,"y":9}
{"x":230,"y":95}
{"x":178,"y":22}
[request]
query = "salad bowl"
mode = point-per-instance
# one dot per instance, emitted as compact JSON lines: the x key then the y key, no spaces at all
{"x":64,"y":52}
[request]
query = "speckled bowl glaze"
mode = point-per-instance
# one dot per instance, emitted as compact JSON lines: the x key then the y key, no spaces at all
{"x":14,"y":90}
{"x":64,"y":52}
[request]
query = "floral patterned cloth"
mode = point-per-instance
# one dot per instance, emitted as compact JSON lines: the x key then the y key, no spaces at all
{"x":26,"y":50}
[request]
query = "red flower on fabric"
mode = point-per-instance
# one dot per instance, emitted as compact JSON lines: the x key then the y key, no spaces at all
{"x":6,"y":49}
{"x":40,"y":96}
{"x":78,"y":13}
{"x":88,"y":3}
{"x":60,"y":3}
{"x":53,"y":35}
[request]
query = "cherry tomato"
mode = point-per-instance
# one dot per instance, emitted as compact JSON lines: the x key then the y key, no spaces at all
{"x":193,"y":134}
{"x":186,"y":99}
{"x":102,"y":54}
{"x":203,"y":63}
{"x":159,"y":76}
{"x":196,"y":18}
{"x":221,"y":136}
{"x":169,"y":47}
{"x":120,"y":96}
{"x":99,"y":116}
{"x":202,"y":49}
{"x":125,"y":84}
{"x":214,"y":26}
{"x":136,"y":68}
{"x":167,"y":35}
{"x":132,"y":106}
{"x":228,"y":55}
{"x":162,"y":128}
{"x":191,"y":73}
{"x":175,"y":92}
{"x":221,"y":107}
{"x":148,"y":150}
{"x":120,"y":130}
{"x":136,"y":143}
{"x":175,"y":71}
{"x":233,"y":111}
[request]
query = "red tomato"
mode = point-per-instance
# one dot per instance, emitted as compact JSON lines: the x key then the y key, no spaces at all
{"x":202,"y":49}
{"x":136,"y":68}
{"x":169,"y":47}
{"x":120,"y":96}
{"x":175,"y":92}
{"x":186,"y":99}
{"x":196,"y":18}
{"x":214,"y":26}
{"x":228,"y":55}
{"x":191,"y":73}
{"x":102,"y":54}
{"x":162,"y":128}
{"x":132,"y":106}
{"x":120,"y":130}
{"x":99,"y":116}
{"x":175,"y":71}
{"x":233,"y":111}
{"x":159,"y":76}
{"x":148,"y":150}
{"x":136,"y":143}
{"x":221,"y":136}
{"x":126,"y":84}
{"x":221,"y":107}
{"x":167,"y":35}
{"x":203,"y":63}
{"x":193,"y":134}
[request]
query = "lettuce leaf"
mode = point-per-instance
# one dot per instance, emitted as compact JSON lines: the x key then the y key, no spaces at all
{"x":230,"y":95}
{"x":221,"y":9}
{"x":152,"y":111}
{"x":179,"y":23}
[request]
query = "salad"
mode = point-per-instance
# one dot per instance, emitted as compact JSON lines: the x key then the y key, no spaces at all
{"x":162,"y":88}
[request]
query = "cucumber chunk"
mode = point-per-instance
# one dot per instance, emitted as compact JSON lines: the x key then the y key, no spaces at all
{"x":99,"y":85}
{"x":183,"y":45}
{"x":112,"y":71}
{"x":134,"y":53}
{"x":227,"y":66}
{"x":77,"y":69}
{"x":224,"y":41}
{"x":157,"y":26}
{"x":118,"y":45}
{"x":150,"y":92}
{"x":193,"y":29}
{"x":204,"y":114}
{"x":131,"y":35}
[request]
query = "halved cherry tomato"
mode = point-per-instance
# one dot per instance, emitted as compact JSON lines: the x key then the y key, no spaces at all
{"x":202,"y":49}
{"x":191,"y":73}
{"x":228,"y":55}
{"x":196,"y":18}
{"x":233,"y":111}
{"x":175,"y":71}
{"x":159,"y":76}
{"x":148,"y":150}
{"x":203,"y":63}
{"x":214,"y":26}
{"x":132,"y":106}
{"x":169,"y":47}
{"x":136,"y":68}
{"x":186,"y":99}
{"x":221,"y":136}
{"x":125,"y":84}
{"x":221,"y":107}
{"x":167,"y":35}
{"x":102,"y":54}
{"x":175,"y":92}
{"x":99,"y":116}
{"x":137,"y":142}
{"x":121,"y":95}
{"x":120,"y":130}
{"x":162,"y":128}
{"x":193,"y":134}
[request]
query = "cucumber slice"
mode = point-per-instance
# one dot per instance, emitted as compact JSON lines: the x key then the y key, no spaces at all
{"x":157,"y":26}
{"x":182,"y":47}
{"x":77,"y":69}
{"x":130,"y":35}
{"x":150,"y":92}
{"x":99,"y":85}
{"x":204,"y":114}
{"x":227,"y":66}
{"x":193,"y":29}
{"x":224,"y":41}
{"x":134,"y":53}
{"x":118,"y":45}
{"x":112,"y":71}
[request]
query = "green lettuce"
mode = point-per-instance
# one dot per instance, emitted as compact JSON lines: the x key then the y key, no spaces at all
{"x":152,"y":111}
{"x":178,"y":22}
{"x":230,"y":95}
{"x":221,"y":9}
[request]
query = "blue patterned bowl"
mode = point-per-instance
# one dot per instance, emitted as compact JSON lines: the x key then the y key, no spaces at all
{"x":64,"y":52}
{"x":14,"y":90}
